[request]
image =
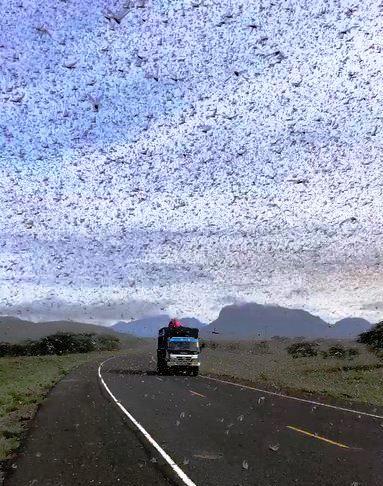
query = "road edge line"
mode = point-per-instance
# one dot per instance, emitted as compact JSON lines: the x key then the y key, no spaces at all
{"x":350,"y":410}
{"x":178,"y":471}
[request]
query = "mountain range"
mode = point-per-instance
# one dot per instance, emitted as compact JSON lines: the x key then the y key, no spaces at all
{"x":13,"y":329}
{"x":149,"y":326}
{"x":239,"y":321}
{"x":255,"y":321}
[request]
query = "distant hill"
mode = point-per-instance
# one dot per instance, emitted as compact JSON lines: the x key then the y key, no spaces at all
{"x":13,"y":329}
{"x":149,"y":326}
{"x":350,"y":327}
{"x":256,"y":321}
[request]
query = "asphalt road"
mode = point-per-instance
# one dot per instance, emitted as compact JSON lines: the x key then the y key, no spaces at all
{"x":214,"y":433}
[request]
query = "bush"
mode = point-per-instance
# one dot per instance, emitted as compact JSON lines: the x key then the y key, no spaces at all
{"x":61,"y":343}
{"x":353,"y":352}
{"x":105,"y":342}
{"x":340,"y":352}
{"x":8,"y":349}
{"x":373,"y":338}
{"x":336,"y":352}
{"x":302,"y":349}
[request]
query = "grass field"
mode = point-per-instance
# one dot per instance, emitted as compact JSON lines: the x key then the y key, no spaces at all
{"x":359,"y":379}
{"x":24,"y":381}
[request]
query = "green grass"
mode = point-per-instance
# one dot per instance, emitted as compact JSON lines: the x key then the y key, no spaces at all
{"x":24,"y":382}
{"x":359,"y":379}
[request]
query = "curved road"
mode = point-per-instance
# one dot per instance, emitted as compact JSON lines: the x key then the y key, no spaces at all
{"x":198,"y":431}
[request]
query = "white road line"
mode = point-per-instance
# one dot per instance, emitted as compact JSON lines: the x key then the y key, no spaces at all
{"x":293,"y":398}
{"x":186,"y":480}
{"x":198,"y":394}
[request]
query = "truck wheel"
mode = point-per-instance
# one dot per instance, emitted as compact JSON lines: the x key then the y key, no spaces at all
{"x":162,"y":369}
{"x":194,"y":372}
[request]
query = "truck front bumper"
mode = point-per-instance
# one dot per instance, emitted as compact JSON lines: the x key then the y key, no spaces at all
{"x":183,"y":364}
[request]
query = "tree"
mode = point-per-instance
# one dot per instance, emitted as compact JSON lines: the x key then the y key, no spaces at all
{"x":373,"y":338}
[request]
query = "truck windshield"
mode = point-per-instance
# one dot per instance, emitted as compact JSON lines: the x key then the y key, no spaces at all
{"x":183,"y":345}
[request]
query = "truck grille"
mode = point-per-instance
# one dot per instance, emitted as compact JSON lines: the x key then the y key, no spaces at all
{"x":183,"y":360}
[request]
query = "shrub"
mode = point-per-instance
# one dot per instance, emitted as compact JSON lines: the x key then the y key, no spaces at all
{"x":353,"y":352}
{"x":105,"y":342}
{"x":302,"y":349}
{"x":337,"y":351}
{"x":373,"y":338}
{"x":64,"y":343}
{"x":61,"y":343}
{"x":8,"y":349}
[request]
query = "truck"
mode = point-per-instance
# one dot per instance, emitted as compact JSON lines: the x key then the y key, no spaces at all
{"x":178,"y":350}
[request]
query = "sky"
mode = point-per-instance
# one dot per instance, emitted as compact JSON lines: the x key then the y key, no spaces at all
{"x":189,"y":155}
